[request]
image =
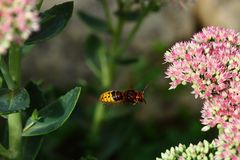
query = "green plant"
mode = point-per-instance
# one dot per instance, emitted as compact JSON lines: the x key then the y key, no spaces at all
{"x":28,"y":117}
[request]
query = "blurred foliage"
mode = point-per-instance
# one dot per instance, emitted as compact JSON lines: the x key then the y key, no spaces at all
{"x":123,"y":135}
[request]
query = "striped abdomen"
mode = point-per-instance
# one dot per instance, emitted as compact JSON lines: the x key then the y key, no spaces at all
{"x":111,"y":97}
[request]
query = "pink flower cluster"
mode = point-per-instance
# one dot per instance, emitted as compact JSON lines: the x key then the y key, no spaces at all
{"x":18,"y":18}
{"x":228,"y":143}
{"x":218,"y":111}
{"x":210,"y":62}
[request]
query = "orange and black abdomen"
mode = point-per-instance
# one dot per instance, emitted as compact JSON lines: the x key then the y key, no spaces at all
{"x":111,"y":97}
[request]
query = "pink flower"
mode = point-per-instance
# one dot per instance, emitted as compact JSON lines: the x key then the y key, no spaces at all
{"x":219,"y":111}
{"x":210,"y":62}
{"x":228,"y":143}
{"x":18,"y":18}
{"x":209,"y":67}
{"x":217,"y":34}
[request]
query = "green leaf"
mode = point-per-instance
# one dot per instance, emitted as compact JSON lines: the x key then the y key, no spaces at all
{"x":53,"y":115}
{"x":53,"y":21}
{"x":35,"y":116}
{"x":94,"y":23}
{"x":31,"y":147}
{"x":13,"y":101}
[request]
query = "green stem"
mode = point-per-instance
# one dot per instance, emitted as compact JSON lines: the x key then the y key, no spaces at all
{"x":105,"y":83}
{"x":105,"y":69}
{"x":107,"y":14}
{"x":133,"y":32}
{"x":97,"y":119}
{"x":39,"y":4}
{"x":14,"y":119}
{"x":15,"y":135}
{"x":116,"y":35}
{"x":15,"y":64}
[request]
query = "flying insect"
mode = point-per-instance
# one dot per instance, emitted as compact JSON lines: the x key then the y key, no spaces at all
{"x":128,"y":96}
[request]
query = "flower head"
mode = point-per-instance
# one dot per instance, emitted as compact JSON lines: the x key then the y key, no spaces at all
{"x":228,"y":143}
{"x":203,"y":150}
{"x":217,"y":34}
{"x":218,"y":111}
{"x":18,"y":18}
{"x":210,"y":62}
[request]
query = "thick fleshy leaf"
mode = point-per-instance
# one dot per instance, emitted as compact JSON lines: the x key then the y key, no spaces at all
{"x":31,"y":147}
{"x":53,"y":21}
{"x":94,"y":23}
{"x":13,"y":101}
{"x":53,"y":115}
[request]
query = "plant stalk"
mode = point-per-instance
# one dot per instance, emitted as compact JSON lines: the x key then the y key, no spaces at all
{"x":39,"y":4}
{"x":107,"y":14}
{"x":133,"y":32}
{"x":105,"y":83}
{"x":116,"y":37}
{"x":15,"y":119}
{"x":15,"y":65}
{"x":97,"y":120}
{"x":105,"y":69}
{"x":15,"y":135}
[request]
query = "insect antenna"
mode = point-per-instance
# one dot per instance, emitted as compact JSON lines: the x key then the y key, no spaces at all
{"x":146,"y":86}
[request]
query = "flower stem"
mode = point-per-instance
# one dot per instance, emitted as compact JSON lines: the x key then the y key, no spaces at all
{"x":15,"y":64}
{"x":105,"y":83}
{"x":15,"y":135}
{"x":116,"y":36}
{"x":105,"y":68}
{"x":98,"y":117}
{"x":14,"y":119}
{"x":39,"y":4}
{"x":107,"y":14}
{"x":133,"y":32}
